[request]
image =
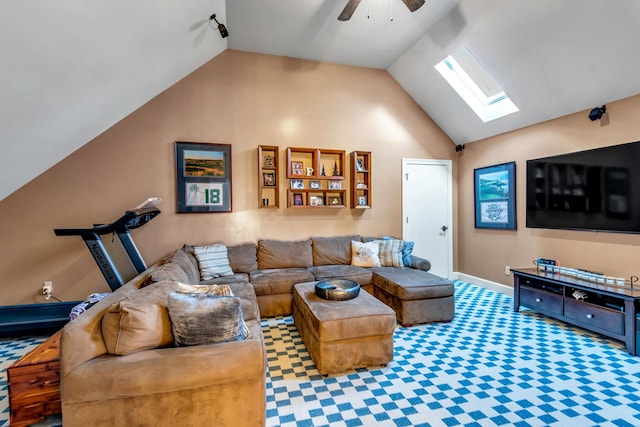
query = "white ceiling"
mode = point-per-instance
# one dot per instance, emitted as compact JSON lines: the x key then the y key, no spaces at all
{"x":70,"y":69}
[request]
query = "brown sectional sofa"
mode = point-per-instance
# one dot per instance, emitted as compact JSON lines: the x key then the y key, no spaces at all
{"x":223,"y":383}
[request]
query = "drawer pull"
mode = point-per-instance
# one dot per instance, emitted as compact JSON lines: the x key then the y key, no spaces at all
{"x":538,"y":299}
{"x":590,"y":316}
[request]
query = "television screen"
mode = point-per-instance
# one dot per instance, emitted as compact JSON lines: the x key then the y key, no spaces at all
{"x":597,"y":190}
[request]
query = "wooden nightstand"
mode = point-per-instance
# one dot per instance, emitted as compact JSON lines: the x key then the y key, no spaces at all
{"x":34,"y":384}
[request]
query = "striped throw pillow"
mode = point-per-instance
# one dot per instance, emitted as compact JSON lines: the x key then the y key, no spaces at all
{"x":390,"y":253}
{"x":212,"y":261}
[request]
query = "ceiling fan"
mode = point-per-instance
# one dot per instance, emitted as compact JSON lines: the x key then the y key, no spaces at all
{"x":351,"y":6}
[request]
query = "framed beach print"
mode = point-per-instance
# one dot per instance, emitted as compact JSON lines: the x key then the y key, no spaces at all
{"x":203,"y":177}
{"x":495,"y":196}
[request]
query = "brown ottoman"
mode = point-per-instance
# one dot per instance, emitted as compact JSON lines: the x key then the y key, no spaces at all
{"x":415,"y":295}
{"x":342,"y":335}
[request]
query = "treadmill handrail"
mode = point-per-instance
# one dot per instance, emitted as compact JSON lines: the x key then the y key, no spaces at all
{"x":130,"y":219}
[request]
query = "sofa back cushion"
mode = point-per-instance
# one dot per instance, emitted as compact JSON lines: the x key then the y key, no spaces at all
{"x":283,"y":254}
{"x":169,"y":271}
{"x":243,"y":258}
{"x":188,"y":264}
{"x":332,"y":250}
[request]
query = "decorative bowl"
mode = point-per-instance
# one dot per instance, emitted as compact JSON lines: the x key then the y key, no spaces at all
{"x":337,"y":289}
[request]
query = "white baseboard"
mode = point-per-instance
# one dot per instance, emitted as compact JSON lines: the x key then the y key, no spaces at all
{"x":494,"y":286}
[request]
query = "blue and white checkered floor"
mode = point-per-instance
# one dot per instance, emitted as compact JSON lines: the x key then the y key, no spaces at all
{"x":489,"y":367}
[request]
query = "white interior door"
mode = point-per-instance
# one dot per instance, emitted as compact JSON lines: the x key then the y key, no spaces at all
{"x":427,"y":211}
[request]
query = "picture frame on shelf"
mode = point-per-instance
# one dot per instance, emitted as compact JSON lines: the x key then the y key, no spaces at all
{"x":314,"y":185}
{"x":297,"y":199}
{"x":495,"y":197}
{"x":316,"y":201}
{"x":335,"y":185}
{"x":334,"y":200}
{"x":203,"y":177}
{"x":359,"y":165}
{"x":268,"y":179}
{"x":362,"y":200}
{"x":269,"y":162}
{"x":297,"y":168}
{"x":297,"y":184}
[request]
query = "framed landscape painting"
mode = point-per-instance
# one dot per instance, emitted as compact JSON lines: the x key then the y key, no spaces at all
{"x":203,"y":175}
{"x":495,"y":198}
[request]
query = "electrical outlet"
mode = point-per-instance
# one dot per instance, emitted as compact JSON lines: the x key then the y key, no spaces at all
{"x":507,"y":270}
{"x":47,"y":287}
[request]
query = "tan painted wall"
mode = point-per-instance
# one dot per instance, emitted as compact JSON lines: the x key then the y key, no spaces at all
{"x":485,"y":253}
{"x":238,"y":98}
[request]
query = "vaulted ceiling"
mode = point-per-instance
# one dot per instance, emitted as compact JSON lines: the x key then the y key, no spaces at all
{"x":70,"y":69}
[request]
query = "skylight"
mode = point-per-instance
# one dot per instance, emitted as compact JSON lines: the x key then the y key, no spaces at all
{"x":467,"y":77}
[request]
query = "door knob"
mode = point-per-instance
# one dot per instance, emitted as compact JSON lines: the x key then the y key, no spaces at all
{"x":444,"y":228}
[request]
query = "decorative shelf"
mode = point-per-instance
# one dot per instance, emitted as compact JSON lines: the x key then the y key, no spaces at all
{"x":360,"y":162}
{"x":316,"y":178}
{"x":268,"y":180}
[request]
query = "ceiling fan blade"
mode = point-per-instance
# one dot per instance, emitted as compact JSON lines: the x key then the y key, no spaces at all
{"x":349,"y":9}
{"x":413,"y":5}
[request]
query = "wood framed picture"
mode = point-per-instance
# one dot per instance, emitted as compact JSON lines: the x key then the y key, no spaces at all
{"x":268,"y":179}
{"x":315,"y":185}
{"x":362,"y":200}
{"x":203,"y":177}
{"x":297,"y":184}
{"x":297,"y":168}
{"x":335,"y":185}
{"x":495,"y":198}
{"x":334,"y":200}
{"x":316,"y":201}
{"x":359,"y":165}
{"x":297,"y":199}
{"x":269,"y":161}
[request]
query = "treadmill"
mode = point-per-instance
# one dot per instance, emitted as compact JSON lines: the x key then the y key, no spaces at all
{"x":118,"y":262}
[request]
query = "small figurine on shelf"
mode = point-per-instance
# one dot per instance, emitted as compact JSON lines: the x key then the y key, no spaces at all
{"x":336,"y":172}
{"x":323,"y":172}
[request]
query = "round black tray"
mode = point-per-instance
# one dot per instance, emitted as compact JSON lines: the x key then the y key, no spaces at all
{"x":337,"y":289}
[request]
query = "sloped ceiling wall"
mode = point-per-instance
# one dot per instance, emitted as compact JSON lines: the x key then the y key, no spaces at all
{"x":71,"y":69}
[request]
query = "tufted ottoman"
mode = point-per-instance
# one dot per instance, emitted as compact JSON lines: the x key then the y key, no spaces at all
{"x":342,"y":335}
{"x":415,"y":295}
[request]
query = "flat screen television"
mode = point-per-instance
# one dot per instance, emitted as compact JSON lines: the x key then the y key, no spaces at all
{"x":595,"y":190}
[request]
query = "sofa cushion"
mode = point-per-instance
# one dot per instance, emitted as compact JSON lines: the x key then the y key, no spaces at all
{"x":131,"y":326}
{"x":226,"y":280}
{"x":247,"y":295}
{"x":358,"y":274}
{"x":283,"y":254}
{"x":205,"y":319}
{"x":169,"y":271}
{"x":243,"y":258}
{"x":212,"y":261}
{"x":279,"y":280}
{"x":365,"y":254}
{"x":411,"y":284}
{"x":390,"y":253}
{"x":407,"y":248}
{"x":189,"y":265}
{"x":332,"y":250}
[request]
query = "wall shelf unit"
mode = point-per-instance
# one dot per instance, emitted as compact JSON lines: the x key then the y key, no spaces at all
{"x":268,"y":180}
{"x":361,"y":179}
{"x":316,"y":178}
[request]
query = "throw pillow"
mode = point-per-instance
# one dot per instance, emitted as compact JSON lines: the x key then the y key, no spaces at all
{"x":205,"y":319}
{"x":391,"y":253}
{"x":407,"y":248}
{"x":365,"y":254}
{"x":212,"y":261}
{"x":220,"y":290}
{"x":129,"y":327}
